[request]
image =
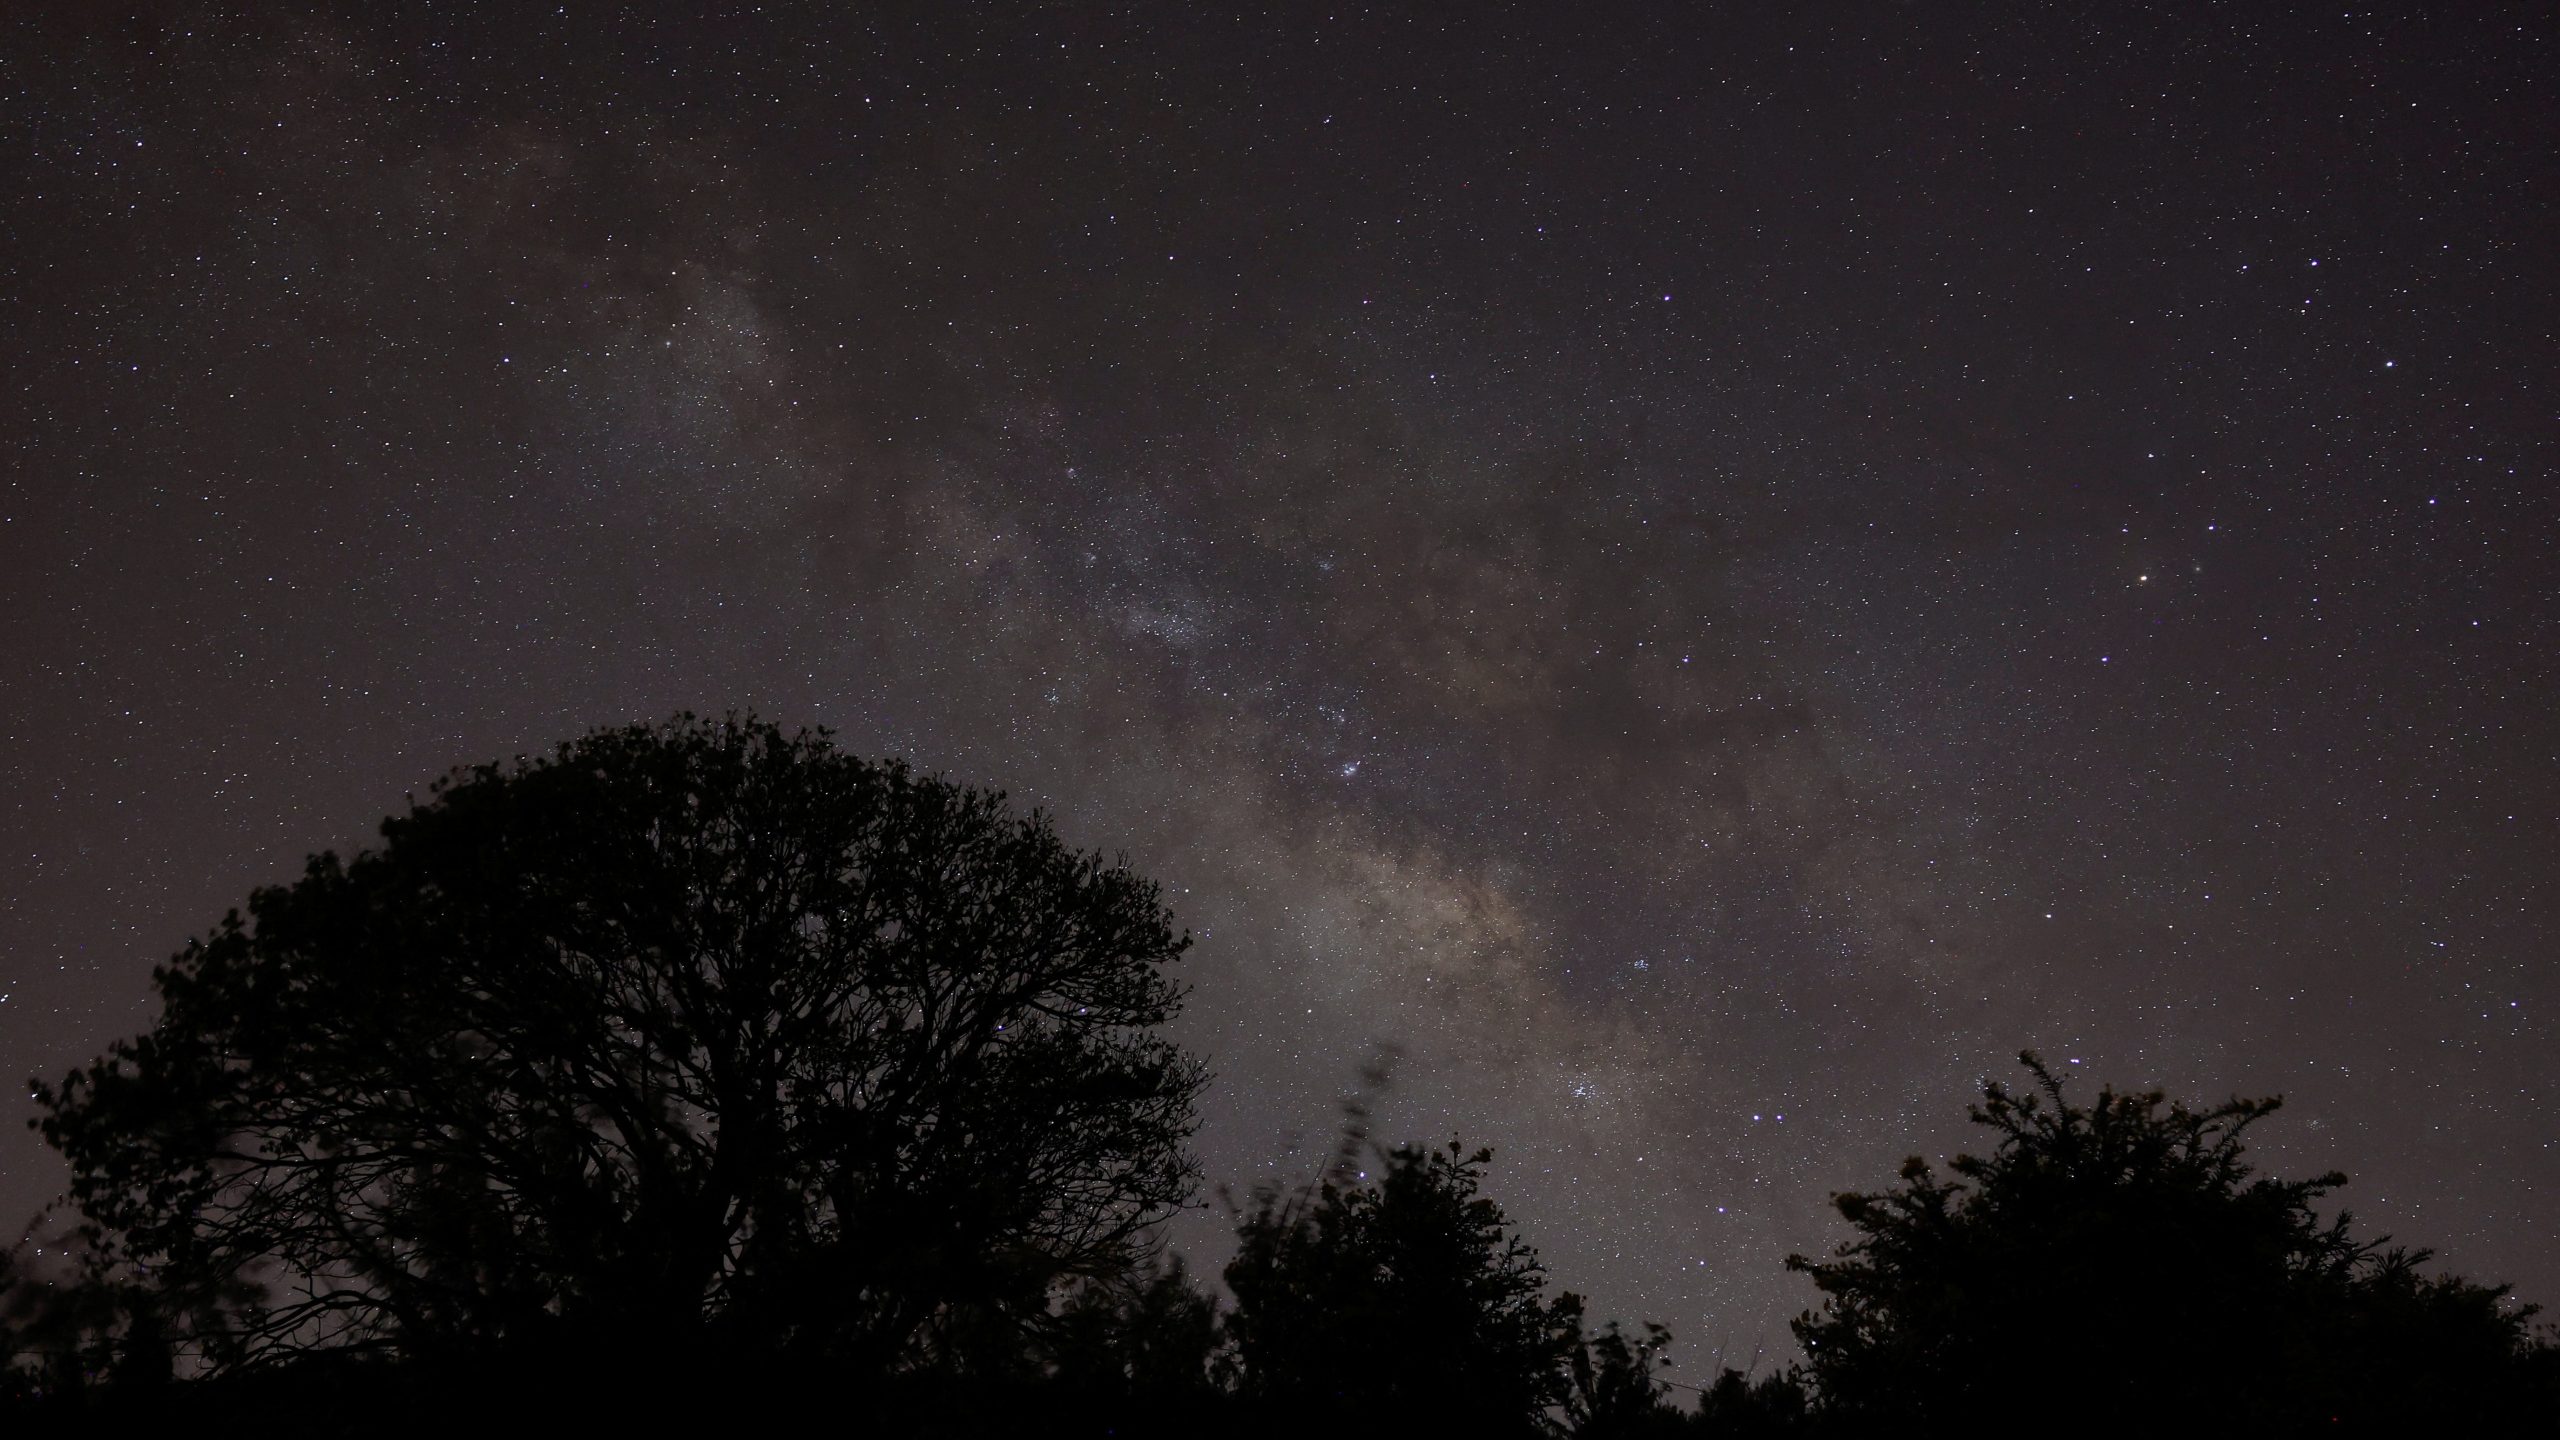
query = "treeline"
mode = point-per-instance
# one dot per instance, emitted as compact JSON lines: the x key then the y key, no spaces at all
{"x":699,"y":1074}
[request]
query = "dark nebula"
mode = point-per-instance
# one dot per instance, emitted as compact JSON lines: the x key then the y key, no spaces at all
{"x":1708,"y":572}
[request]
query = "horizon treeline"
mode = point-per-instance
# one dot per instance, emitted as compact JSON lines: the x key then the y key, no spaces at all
{"x":700,"y":1071}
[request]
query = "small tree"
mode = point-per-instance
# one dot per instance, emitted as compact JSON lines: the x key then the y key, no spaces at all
{"x":1399,"y":1299}
{"x":1617,"y":1390}
{"x":684,"y":1034}
{"x":1148,"y":1337}
{"x":2119,"y":1268}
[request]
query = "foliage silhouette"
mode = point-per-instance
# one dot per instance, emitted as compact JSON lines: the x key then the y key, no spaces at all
{"x":2120,"y":1269}
{"x":1398,"y":1299}
{"x":1616,"y":1391}
{"x":1738,"y":1407}
{"x":692,"y":1038}
{"x":697,"y":1069}
{"x":1149,"y":1334}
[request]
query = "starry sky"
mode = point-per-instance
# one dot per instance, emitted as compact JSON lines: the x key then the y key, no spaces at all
{"x":1700,"y":575}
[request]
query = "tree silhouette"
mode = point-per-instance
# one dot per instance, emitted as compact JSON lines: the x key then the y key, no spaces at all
{"x":2120,"y":1269}
{"x":1398,"y":1298}
{"x":682,"y":1036}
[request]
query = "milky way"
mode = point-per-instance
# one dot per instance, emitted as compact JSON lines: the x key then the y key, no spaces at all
{"x":1699,"y":583}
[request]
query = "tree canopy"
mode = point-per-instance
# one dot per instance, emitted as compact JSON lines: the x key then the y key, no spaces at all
{"x":2120,"y":1268}
{"x":695,"y":1029}
{"x":712,"y":1057}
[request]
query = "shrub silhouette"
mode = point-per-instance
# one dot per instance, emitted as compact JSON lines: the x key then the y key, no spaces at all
{"x":2120,"y":1269}
{"x":686,"y":1036}
{"x":1398,"y":1299}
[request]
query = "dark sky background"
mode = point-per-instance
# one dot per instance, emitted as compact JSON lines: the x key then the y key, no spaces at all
{"x":1710,"y":572}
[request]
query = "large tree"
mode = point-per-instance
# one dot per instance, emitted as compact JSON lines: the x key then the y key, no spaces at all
{"x":683,"y":1033}
{"x":2119,"y":1269}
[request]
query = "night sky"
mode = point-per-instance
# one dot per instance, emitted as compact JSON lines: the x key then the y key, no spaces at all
{"x":1708,"y":572}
